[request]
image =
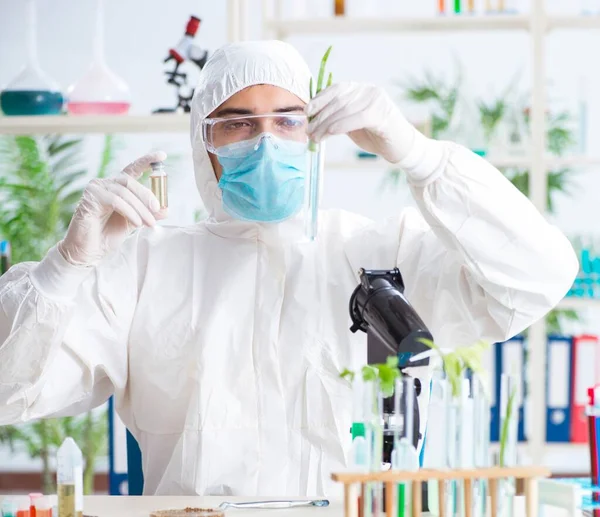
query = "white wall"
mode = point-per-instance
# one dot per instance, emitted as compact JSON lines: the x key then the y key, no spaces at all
{"x":139,"y":34}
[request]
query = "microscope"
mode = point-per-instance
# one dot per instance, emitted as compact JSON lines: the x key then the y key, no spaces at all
{"x":379,"y":308}
{"x":185,"y":50}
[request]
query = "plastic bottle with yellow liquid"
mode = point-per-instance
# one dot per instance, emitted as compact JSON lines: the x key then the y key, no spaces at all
{"x":69,"y":474}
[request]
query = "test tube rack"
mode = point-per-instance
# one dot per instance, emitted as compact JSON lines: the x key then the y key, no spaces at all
{"x":391,"y":478}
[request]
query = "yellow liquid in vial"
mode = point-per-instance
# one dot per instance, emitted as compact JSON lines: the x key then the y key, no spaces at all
{"x":66,"y":501}
{"x":158,"y":185}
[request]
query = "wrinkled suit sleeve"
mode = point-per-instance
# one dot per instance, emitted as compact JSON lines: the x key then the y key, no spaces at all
{"x":477,"y":258}
{"x":63,"y":336}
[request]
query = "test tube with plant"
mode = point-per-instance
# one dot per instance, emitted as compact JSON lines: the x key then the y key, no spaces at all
{"x":460,"y":411}
{"x":481,"y":441}
{"x":317,"y":160}
{"x":509,"y":393}
{"x":379,"y":383}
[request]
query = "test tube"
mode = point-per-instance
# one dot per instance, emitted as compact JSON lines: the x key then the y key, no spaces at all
{"x":404,"y":454}
{"x":9,"y":507}
{"x":481,"y":442}
{"x":373,"y":411}
{"x":436,"y":443}
{"x":33,"y":497}
{"x":313,"y":188}
{"x":158,"y":183}
{"x":510,"y":393}
{"x":359,"y":456}
{"x":23,"y":506}
{"x":42,"y":506}
{"x":69,"y":474}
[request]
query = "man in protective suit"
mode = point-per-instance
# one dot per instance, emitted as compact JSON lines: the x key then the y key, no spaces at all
{"x":223,"y":342}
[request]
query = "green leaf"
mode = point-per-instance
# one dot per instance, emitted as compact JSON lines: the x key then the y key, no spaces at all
{"x":506,"y":426}
{"x":57,"y":145}
{"x":322,"y":69}
{"x":347,"y":374}
{"x":392,"y":361}
{"x":369,"y":373}
{"x":429,"y":343}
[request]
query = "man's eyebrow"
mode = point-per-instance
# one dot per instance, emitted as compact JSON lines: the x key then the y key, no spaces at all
{"x":289,"y":109}
{"x":232,"y":111}
{"x":226,"y":112}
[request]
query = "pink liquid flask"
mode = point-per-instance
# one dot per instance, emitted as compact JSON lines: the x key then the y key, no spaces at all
{"x":100,"y":91}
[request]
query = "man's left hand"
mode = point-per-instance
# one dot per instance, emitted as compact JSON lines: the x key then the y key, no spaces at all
{"x":367,"y":114}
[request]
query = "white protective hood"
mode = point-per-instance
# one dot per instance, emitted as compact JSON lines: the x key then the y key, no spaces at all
{"x":229,"y":70}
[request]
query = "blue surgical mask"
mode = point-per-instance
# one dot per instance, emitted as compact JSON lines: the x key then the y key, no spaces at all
{"x":263,"y":179}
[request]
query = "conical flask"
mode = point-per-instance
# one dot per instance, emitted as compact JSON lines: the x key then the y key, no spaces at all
{"x":32,"y":92}
{"x":100,"y":91}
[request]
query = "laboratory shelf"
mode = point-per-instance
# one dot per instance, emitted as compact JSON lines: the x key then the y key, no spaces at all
{"x":574,"y":22}
{"x":500,"y":162}
{"x":379,"y":164}
{"x":349,"y":25}
{"x":161,"y":123}
{"x":563,"y":459}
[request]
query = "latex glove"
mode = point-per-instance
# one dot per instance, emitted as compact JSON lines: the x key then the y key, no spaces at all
{"x":369,"y":117}
{"x":108,"y":211}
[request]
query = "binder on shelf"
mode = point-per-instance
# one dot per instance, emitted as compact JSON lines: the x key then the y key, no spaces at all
{"x":584,"y":358}
{"x":558,"y":389}
{"x":117,"y":453}
{"x":489,"y":361}
{"x":508,"y":357}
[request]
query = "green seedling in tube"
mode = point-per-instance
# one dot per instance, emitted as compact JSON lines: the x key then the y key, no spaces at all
{"x":506,"y":427}
{"x":317,"y":158}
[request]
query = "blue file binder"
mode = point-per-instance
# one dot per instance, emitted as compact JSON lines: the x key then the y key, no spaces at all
{"x":558,"y":388}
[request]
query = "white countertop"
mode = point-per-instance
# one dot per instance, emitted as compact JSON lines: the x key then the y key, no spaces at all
{"x":124,"y":506}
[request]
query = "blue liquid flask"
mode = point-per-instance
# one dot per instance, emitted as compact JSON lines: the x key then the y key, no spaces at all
{"x":32,"y":92}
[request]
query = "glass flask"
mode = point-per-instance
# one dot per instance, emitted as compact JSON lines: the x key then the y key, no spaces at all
{"x":100,"y":91}
{"x":32,"y":92}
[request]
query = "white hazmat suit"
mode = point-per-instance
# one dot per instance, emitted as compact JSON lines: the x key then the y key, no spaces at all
{"x":223,"y":342}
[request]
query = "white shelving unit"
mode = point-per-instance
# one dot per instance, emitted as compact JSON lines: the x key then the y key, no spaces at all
{"x":500,"y":162}
{"x":538,"y":23}
{"x":57,"y":124}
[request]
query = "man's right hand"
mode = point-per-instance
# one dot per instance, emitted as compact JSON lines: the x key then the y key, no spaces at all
{"x":108,"y":211}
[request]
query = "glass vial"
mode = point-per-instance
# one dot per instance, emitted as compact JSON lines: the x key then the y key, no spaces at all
{"x":158,"y":183}
{"x":69,"y":479}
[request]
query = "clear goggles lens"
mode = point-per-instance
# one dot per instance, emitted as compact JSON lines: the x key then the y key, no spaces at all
{"x":221,"y":133}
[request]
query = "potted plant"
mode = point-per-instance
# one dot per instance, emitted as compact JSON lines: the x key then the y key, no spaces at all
{"x":41,"y":181}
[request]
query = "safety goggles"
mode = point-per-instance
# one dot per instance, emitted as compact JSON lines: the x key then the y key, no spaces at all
{"x":220,"y":134}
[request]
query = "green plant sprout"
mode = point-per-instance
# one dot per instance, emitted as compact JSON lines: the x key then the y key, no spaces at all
{"x":506,"y":425}
{"x":312,"y":146}
{"x":456,"y":362}
{"x":386,"y":373}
